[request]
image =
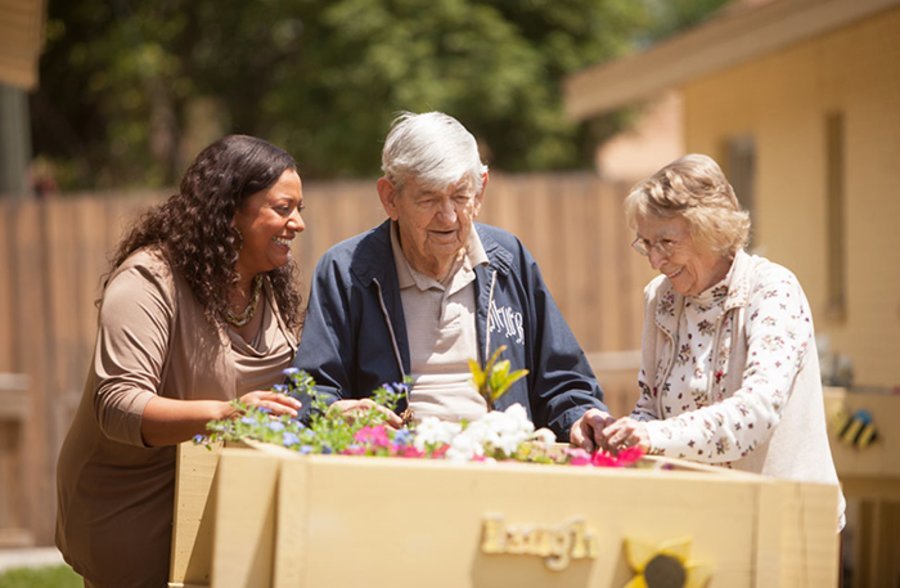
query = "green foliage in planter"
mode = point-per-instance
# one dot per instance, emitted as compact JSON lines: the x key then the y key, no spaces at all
{"x":496,"y":378}
{"x":328,"y":431}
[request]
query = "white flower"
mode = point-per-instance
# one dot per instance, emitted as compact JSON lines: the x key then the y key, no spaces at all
{"x":507,"y":430}
{"x":468,"y":444}
{"x":497,"y":432}
{"x":433,"y":431}
{"x":544,"y":437}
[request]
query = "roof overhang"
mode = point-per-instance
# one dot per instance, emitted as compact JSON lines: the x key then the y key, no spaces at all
{"x":734,"y":37}
{"x":21,"y":41}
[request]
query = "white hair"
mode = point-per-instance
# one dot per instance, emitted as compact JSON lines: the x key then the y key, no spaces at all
{"x":434,"y":148}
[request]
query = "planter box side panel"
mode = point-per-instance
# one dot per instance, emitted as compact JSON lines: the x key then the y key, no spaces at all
{"x":244,"y":535}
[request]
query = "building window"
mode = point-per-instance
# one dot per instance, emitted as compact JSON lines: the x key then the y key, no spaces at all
{"x":835,"y":237}
{"x":740,"y":168}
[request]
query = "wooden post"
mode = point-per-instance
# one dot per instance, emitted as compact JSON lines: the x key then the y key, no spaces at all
{"x":14,"y":411}
{"x":15,"y":141}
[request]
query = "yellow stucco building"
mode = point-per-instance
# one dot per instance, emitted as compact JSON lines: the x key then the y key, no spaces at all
{"x":800,"y":102}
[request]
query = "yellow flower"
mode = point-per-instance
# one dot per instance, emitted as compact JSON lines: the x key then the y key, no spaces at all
{"x":665,"y":565}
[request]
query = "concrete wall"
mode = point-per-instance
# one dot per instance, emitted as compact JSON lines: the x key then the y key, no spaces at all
{"x":782,"y":101}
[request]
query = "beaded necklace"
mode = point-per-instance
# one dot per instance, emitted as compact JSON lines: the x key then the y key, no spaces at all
{"x":242,"y":319}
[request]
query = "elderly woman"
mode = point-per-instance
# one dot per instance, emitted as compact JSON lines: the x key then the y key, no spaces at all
{"x":201,"y":307}
{"x":729,"y":371}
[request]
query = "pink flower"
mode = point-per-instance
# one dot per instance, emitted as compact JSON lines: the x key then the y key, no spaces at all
{"x":604,"y":460}
{"x":440,"y":451}
{"x":630,"y":456}
{"x":374,"y":436}
{"x":624,"y":458}
{"x":578,"y":456}
{"x":406,"y":451}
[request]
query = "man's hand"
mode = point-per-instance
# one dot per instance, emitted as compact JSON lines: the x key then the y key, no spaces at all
{"x":587,"y":432}
{"x":349,"y":409}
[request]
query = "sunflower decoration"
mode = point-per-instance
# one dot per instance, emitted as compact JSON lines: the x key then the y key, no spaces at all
{"x":666,"y":565}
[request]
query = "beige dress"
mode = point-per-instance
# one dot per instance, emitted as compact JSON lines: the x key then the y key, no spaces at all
{"x":115,"y":494}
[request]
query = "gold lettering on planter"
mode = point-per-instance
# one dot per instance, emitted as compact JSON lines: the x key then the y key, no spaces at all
{"x":557,"y":544}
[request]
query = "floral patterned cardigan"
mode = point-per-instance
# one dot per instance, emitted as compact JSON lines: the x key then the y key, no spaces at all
{"x":762,"y":408}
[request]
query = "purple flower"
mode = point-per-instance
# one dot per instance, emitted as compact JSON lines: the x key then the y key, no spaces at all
{"x":280,"y":388}
{"x":398,"y":387}
{"x":247,"y":420}
{"x":198,"y":438}
{"x":289,"y":439}
{"x":304,"y":449}
{"x":276,"y":426}
{"x":403,"y":437}
{"x":290,"y":371}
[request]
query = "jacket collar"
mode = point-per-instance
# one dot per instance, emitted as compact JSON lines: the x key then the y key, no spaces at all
{"x":370,"y":254}
{"x":670,"y":303}
{"x":499,"y":257}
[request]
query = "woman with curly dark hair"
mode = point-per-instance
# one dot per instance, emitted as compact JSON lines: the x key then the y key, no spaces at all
{"x":200,"y":307}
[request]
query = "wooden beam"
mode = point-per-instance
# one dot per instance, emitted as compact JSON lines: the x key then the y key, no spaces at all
{"x":21,"y":41}
{"x":726,"y":41}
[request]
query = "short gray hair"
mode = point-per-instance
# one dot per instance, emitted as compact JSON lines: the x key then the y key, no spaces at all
{"x":694,"y":188}
{"x":432,"y":147}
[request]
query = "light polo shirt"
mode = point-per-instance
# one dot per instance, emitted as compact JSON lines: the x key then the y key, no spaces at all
{"x":440,"y":327}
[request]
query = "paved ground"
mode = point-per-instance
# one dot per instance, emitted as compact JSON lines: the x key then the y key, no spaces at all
{"x":30,"y":557}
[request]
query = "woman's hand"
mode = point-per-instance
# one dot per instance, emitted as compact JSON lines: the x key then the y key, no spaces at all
{"x":587,"y":431}
{"x":168,"y":421}
{"x":624,"y":433}
{"x":349,"y":409}
{"x":278,"y":404}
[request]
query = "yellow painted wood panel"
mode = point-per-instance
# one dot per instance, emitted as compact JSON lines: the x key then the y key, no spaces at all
{"x":782,"y":100}
{"x":340,"y":521}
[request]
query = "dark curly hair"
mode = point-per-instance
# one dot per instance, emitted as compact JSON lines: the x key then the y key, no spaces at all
{"x":193,"y":228}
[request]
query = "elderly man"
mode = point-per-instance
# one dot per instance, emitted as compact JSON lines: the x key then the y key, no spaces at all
{"x":423,"y":293}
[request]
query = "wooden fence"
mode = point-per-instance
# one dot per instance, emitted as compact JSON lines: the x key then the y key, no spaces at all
{"x":54,"y":252}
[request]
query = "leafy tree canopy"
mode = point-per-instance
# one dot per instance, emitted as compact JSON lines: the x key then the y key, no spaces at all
{"x":131,"y":90}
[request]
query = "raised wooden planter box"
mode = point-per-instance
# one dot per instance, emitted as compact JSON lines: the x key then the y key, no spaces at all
{"x":269,"y":517}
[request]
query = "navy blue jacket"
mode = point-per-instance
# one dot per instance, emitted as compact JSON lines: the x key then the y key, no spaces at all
{"x":354,"y":336}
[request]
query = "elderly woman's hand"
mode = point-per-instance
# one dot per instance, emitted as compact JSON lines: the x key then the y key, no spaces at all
{"x":624,"y":433}
{"x":349,"y":409}
{"x":587,"y":431}
{"x":278,"y":404}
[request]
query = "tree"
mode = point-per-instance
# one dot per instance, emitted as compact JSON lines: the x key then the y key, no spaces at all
{"x":121,"y":81}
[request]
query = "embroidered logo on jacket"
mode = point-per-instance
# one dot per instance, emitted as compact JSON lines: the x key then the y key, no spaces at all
{"x":507,"y":321}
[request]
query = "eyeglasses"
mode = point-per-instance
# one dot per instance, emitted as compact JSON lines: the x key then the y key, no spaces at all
{"x":664,"y":247}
